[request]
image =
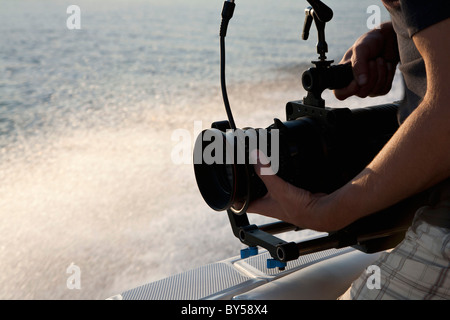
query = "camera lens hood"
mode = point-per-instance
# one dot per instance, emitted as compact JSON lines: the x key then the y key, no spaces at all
{"x":223,"y":182}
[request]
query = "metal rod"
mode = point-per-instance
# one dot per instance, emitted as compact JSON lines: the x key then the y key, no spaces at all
{"x":381,"y":234}
{"x":319,"y":244}
{"x":278,"y":227}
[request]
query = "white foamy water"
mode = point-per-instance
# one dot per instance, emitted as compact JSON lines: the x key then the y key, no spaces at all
{"x":86,"y":120}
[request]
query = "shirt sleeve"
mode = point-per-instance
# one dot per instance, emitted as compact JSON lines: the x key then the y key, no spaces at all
{"x":421,"y":14}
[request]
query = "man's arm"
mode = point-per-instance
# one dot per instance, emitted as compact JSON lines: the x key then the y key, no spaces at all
{"x":416,"y":158}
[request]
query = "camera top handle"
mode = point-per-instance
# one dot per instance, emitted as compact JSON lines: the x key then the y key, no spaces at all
{"x":323,"y":75}
{"x":320,"y":14}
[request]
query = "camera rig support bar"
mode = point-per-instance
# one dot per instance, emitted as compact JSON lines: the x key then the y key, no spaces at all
{"x":365,"y":235}
{"x":263,"y":236}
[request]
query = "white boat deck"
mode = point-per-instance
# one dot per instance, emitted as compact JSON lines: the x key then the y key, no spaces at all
{"x":322,"y":275}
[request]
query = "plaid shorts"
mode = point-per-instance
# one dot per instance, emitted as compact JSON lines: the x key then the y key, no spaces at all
{"x":418,"y":268}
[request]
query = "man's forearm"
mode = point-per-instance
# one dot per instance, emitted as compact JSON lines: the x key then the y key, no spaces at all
{"x":416,"y":158}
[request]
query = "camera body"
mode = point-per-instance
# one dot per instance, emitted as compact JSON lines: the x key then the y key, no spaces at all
{"x":340,"y":143}
{"x":317,"y":148}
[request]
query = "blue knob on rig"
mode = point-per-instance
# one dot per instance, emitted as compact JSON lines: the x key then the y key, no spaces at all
{"x":272,"y":264}
{"x":249,"y":252}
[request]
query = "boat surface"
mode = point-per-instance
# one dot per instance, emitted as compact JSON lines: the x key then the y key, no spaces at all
{"x":323,"y":275}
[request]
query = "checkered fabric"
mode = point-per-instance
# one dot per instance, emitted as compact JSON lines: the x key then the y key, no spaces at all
{"x":417,"y":269}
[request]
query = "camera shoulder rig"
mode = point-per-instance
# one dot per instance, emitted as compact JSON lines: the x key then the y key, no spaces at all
{"x":340,"y":143}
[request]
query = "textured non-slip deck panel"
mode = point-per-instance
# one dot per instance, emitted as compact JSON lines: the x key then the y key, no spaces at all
{"x":259,"y":262}
{"x":213,"y":278}
{"x":190,"y":285}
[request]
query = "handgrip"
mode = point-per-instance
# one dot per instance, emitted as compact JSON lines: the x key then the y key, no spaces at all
{"x":334,"y":77}
{"x":341,"y":76}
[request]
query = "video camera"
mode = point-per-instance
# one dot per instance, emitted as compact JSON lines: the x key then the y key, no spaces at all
{"x":317,"y":148}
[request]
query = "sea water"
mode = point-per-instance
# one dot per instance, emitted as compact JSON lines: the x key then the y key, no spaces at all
{"x":87,"y":121}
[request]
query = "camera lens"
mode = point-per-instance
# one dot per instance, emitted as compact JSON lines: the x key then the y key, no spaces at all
{"x":215,"y":172}
{"x":215,"y":185}
{"x":224,"y":175}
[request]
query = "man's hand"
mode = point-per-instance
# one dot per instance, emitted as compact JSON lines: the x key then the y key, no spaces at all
{"x":288,"y":203}
{"x":374,"y":58}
